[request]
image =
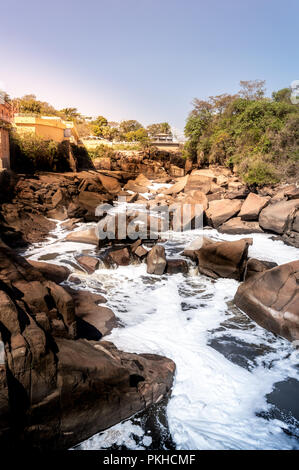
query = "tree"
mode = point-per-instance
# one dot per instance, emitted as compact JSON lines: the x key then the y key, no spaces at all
{"x":109,"y":133}
{"x":140,"y":135}
{"x":221,"y":102}
{"x":70,"y":114}
{"x":98,"y":126}
{"x":252,"y":89}
{"x":28,"y":104}
{"x":129,"y":126}
{"x":100,"y":121}
{"x":282,"y":96}
{"x":159,"y":128}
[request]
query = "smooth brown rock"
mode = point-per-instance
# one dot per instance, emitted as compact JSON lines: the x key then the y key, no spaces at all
{"x":52,"y":272}
{"x":156,"y":260}
{"x":238,"y":226}
{"x":255,"y":266}
{"x":252,"y":206}
{"x":176,"y":171}
{"x":199,"y":181}
{"x":222,"y":210}
{"x":84,"y":236}
{"x":276,"y":217}
{"x":95,"y":320}
{"x":120,"y":257}
{"x":89,"y":263}
{"x":175,"y":266}
{"x":223,"y":259}
{"x":110,"y":184}
{"x":177,"y":187}
{"x":56,"y":391}
{"x":271,"y":298}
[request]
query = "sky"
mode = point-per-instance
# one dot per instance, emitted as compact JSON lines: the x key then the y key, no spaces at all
{"x":145,"y":59}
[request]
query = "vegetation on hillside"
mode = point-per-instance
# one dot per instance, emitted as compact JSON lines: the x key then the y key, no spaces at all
{"x":30,"y":153}
{"x":128,"y":131}
{"x":255,"y":135}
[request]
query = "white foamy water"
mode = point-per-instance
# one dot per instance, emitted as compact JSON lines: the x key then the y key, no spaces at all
{"x":218,"y":399}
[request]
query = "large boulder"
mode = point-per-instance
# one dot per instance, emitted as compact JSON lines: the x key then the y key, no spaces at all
{"x":276,"y":217}
{"x":52,"y":272}
{"x":176,"y":187}
{"x":199,"y":180}
{"x":238,"y":226}
{"x":220,"y":211}
{"x":271,"y":298}
{"x":175,"y":266}
{"x":95,"y":320}
{"x":255,"y":266}
{"x":89,"y":236}
{"x":89,"y":201}
{"x":111,"y":185}
{"x":89,"y":263}
{"x":56,"y":391}
{"x":223,"y":259}
{"x":156,"y":260}
{"x":252,"y":206}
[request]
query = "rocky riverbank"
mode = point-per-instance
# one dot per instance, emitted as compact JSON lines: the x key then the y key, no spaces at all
{"x":61,"y":381}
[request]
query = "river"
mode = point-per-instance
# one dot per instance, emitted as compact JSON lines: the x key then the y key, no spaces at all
{"x":236,"y":385}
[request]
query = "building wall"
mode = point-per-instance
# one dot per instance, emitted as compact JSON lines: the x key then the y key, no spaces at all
{"x":4,"y":149}
{"x":49,"y":129}
{"x":5,"y":119}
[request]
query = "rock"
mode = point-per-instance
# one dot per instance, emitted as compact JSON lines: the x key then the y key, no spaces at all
{"x":188,"y":214}
{"x":141,"y":252}
{"x":220,"y":211}
{"x":188,"y":166}
{"x":84,"y":236}
{"x":95,"y":320}
{"x":102,"y":163}
{"x":139,"y":185}
{"x":156,"y":260}
{"x":75,"y":211}
{"x":199,"y":181}
{"x":111,"y":185}
{"x":58,"y":213}
{"x":241,"y":193}
{"x":191,"y":249}
{"x":177,"y":187}
{"x":54,"y":391}
{"x":89,"y":201}
{"x":175,"y":266}
{"x":239,"y":226}
{"x":271,"y":298}
{"x":252,"y":206}
{"x":276,"y":217}
{"x":71,"y":224}
{"x":52,"y":272}
{"x":176,"y":171}
{"x":255,"y":266}
{"x":120,"y":257}
{"x":223,"y":259}
{"x":89,"y":263}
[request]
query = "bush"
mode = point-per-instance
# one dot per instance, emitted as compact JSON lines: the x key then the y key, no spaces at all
{"x":30,"y":153}
{"x":257,"y":136}
{"x":101,"y":151}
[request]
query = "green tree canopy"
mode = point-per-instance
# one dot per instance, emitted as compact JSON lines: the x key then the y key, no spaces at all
{"x":129,"y":126}
{"x":159,"y":128}
{"x":254,"y":134}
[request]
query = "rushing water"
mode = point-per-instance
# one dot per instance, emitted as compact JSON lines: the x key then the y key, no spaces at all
{"x":236,"y":385}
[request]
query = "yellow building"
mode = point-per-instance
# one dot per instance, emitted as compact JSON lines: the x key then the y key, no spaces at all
{"x":47,"y":127}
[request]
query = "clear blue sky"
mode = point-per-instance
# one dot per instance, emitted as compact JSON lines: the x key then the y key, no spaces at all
{"x":145,"y":59}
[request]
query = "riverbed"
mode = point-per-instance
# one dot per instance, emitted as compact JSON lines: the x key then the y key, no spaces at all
{"x":236,"y":385}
